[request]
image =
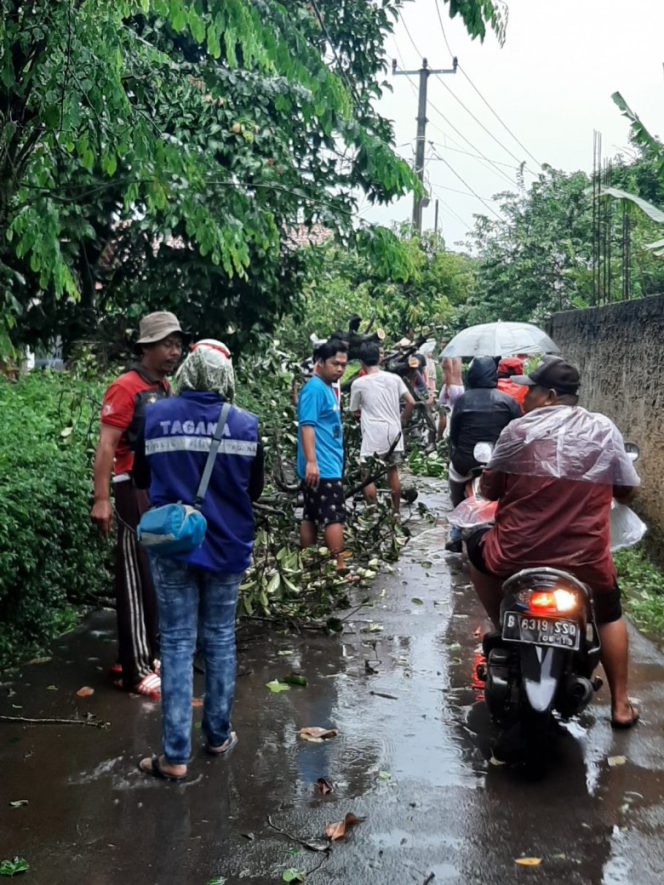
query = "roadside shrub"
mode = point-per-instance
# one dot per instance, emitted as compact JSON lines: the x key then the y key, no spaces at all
{"x":51,"y":558}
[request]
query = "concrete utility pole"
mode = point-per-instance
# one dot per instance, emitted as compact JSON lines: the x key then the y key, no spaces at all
{"x":425,"y":72}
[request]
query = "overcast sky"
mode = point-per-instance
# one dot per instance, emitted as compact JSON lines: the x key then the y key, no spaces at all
{"x":551,"y":83}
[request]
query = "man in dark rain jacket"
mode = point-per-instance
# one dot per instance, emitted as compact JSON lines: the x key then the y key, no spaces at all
{"x":479,"y":415}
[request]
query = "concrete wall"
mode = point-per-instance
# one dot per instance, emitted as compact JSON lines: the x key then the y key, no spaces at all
{"x":619,"y":350}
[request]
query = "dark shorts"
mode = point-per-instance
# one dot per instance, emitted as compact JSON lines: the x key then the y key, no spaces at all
{"x":325,"y":504}
{"x":608,"y":607}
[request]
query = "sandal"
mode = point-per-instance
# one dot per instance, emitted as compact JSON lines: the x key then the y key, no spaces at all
{"x":149,"y":687}
{"x":226,"y":747}
{"x":151,"y":765}
{"x":628,"y":723}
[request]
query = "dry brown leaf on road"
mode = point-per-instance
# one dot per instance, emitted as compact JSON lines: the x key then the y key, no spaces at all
{"x":338,"y":830}
{"x":85,"y":691}
{"x":315,"y":734}
{"x":529,"y":861}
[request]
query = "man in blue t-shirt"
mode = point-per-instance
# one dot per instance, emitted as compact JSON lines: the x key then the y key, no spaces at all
{"x":320,"y":451}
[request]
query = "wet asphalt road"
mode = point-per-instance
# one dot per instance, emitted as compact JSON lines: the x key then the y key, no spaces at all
{"x":415,"y":764}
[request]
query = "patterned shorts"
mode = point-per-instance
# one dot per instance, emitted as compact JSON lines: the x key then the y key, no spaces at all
{"x":324,"y":504}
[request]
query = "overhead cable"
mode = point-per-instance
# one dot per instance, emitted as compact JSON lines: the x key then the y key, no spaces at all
{"x":468,"y":142}
{"x":481,"y":124}
{"x":499,"y":118}
{"x":442,"y":28}
{"x":465,"y":184}
{"x":486,"y":102}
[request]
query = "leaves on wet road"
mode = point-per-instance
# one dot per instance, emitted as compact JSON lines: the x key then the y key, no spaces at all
{"x":276,"y":686}
{"x":293,"y":875}
{"x":417,"y":601}
{"x":338,"y":830}
{"x":613,"y":761}
{"x":219,"y":880}
{"x":14,"y":866}
{"x":18,"y":803}
{"x":315,"y":734}
{"x":528,"y":861}
{"x":295,"y":679}
{"x":85,"y":691}
{"x":384,"y":776}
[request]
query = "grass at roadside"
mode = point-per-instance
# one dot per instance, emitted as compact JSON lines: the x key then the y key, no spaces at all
{"x":642,"y":586}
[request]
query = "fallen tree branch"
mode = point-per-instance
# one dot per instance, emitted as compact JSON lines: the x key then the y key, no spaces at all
{"x":93,"y":722}
{"x":311,"y":846}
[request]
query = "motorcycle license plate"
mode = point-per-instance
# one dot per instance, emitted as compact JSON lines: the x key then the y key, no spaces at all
{"x":556,"y":632}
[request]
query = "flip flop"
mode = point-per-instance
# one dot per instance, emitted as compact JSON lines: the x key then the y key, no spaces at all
{"x":150,"y":765}
{"x":226,"y":747}
{"x":629,"y":723}
{"x":149,"y":687}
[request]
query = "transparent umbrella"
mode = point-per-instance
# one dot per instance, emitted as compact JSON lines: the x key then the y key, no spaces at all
{"x":500,"y":339}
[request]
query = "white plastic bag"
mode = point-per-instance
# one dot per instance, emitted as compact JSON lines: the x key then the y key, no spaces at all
{"x":627,"y":528}
{"x":473,"y":512}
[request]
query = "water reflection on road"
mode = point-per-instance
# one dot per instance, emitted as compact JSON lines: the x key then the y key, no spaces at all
{"x":411,"y":756}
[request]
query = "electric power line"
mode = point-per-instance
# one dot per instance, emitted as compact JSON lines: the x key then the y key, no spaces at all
{"x":481,"y":124}
{"x":410,"y":36}
{"x":465,"y":184}
{"x":442,"y":28}
{"x":500,"y":119}
{"x":457,"y":150}
{"x":454,"y":190}
{"x":468,"y":142}
{"x":442,"y":115}
{"x":450,"y":209}
{"x":495,"y":113}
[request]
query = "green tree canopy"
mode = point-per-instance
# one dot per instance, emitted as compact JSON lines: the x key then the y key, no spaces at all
{"x":158,"y":150}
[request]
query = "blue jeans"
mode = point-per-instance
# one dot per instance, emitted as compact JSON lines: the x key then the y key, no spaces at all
{"x":193,"y":601}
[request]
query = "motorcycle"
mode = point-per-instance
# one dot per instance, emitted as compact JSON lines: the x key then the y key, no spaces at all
{"x":540,"y":662}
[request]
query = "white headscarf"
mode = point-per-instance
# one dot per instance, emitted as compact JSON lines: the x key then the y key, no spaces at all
{"x":208,"y":367}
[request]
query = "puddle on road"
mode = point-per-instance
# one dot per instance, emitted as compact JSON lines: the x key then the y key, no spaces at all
{"x":411,"y":755}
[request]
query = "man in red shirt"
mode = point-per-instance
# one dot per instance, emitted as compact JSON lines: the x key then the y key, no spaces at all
{"x":554,"y":473}
{"x":159,"y":349}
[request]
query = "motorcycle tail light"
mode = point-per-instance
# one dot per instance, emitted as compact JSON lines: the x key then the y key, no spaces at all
{"x":552,"y":601}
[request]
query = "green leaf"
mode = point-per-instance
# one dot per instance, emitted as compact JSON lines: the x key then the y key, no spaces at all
{"x":18,"y":803}
{"x":295,"y":679}
{"x":276,"y":686}
{"x":292,"y":875}
{"x":14,"y":866}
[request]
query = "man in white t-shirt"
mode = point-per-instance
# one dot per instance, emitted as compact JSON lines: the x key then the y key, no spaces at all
{"x":378,"y":395}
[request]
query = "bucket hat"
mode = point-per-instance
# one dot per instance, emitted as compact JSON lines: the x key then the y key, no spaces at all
{"x":158,"y":325}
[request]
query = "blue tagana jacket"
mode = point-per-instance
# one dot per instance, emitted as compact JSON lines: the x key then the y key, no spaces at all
{"x":170,"y":459}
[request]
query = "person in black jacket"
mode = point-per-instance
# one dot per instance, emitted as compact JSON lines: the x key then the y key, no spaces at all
{"x":479,"y":415}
